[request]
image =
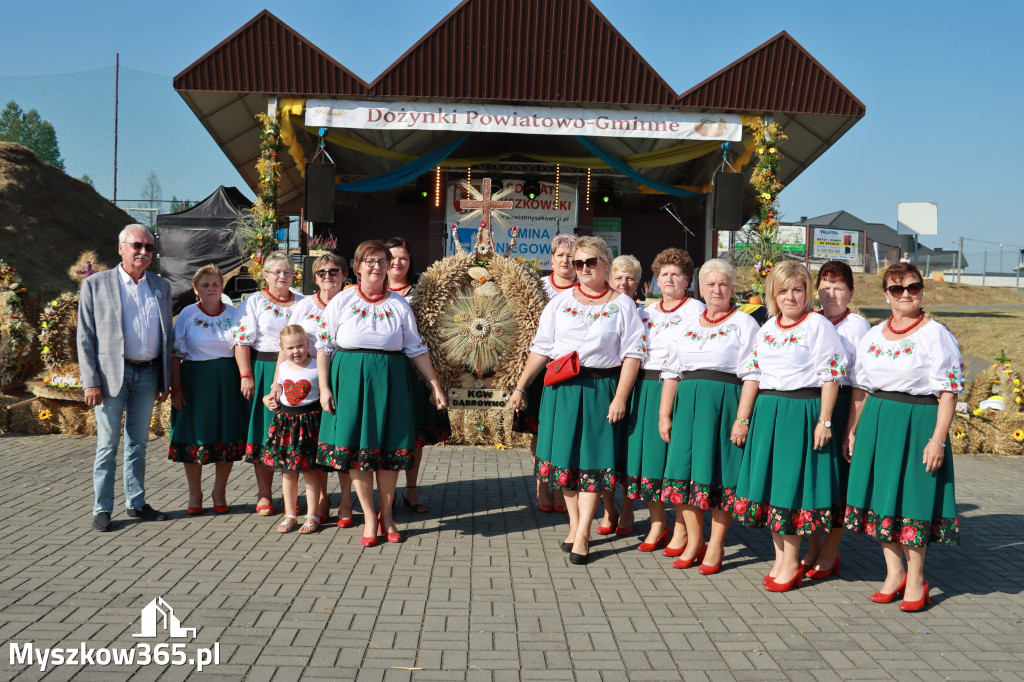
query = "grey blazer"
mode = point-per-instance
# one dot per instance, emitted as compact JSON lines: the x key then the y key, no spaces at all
{"x":100,"y":335}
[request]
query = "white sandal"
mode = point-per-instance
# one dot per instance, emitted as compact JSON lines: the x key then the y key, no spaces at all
{"x":311,"y":525}
{"x":288,"y":524}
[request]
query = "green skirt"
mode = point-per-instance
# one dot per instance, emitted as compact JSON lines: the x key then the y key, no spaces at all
{"x":211,"y":428}
{"x":259,"y":416}
{"x":372,"y":427}
{"x":891,"y":497}
{"x":703,"y":463}
{"x":576,"y":446}
{"x":784,"y":483}
{"x":840,"y":418}
{"x":432,"y":425}
{"x":645,"y":450}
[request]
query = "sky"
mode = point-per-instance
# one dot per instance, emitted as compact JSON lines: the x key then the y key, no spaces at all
{"x":941,"y":81}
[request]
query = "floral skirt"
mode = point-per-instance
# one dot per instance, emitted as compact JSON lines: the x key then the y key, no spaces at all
{"x":292,"y":438}
{"x":645,"y":450}
{"x":432,"y":425}
{"x":211,"y":428}
{"x":891,"y":497}
{"x":372,"y":427}
{"x":703,"y":463}
{"x":784,"y":483}
{"x":529,"y":414}
{"x":577,"y":448}
{"x":259,"y":416}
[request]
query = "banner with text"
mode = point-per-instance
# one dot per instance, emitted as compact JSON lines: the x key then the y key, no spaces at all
{"x":498,"y":118}
{"x":539,"y":219}
{"x":832,"y":244}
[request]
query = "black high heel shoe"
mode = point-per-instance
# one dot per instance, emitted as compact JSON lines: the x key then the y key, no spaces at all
{"x":578,"y":559}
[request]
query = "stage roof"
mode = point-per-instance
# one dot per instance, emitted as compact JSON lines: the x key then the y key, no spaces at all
{"x":561,"y":53}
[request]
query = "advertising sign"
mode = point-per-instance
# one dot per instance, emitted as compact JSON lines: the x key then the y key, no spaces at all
{"x":832,"y":244}
{"x":792,"y":239}
{"x":539,"y":219}
{"x":610,"y":230}
{"x":524,"y":120}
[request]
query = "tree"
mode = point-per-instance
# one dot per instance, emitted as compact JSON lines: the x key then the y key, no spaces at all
{"x":31,"y":131}
{"x":151,"y":193}
{"x":86,"y":179}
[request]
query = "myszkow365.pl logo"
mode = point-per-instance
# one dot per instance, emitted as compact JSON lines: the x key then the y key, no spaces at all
{"x":157,"y":616}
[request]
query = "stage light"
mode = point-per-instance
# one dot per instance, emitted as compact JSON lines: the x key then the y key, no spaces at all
{"x":423,"y":187}
{"x":605,"y":190}
{"x":531,"y":188}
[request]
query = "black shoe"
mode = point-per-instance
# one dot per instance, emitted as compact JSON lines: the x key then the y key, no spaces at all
{"x":101,"y":522}
{"x":578,"y":559}
{"x":147,"y":513}
{"x":566,"y":546}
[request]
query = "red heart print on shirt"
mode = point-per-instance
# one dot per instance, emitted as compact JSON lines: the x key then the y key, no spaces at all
{"x":296,"y":391}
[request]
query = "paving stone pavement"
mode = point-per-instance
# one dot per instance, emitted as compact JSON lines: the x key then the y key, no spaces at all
{"x":479,"y":590}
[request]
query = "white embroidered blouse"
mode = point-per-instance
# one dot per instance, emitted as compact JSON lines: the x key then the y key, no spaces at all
{"x":725,"y":347}
{"x":261,"y":323}
{"x":549,"y":288}
{"x":198,"y":336}
{"x":806,"y":356}
{"x":663,"y":329}
{"x":603,"y":335}
{"x":851,"y":330}
{"x":354,"y":323}
{"x":299,"y":387}
{"x":307,"y":314}
{"x":926,"y":362}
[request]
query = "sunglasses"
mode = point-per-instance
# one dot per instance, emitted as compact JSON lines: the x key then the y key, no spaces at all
{"x":333,"y":272}
{"x":590,"y":263}
{"x":897,"y":290}
{"x":139,"y":246}
{"x":370,"y":262}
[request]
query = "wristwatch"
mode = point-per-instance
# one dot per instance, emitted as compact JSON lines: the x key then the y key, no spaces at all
{"x":745,"y":422}
{"x":826,"y":422}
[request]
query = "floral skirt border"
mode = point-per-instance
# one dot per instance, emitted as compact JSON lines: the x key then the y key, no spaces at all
{"x":211,"y":453}
{"x":253,"y":453}
{"x":644,"y":489}
{"x":432,"y":435}
{"x":785,"y":521}
{"x":902,"y":531}
{"x":345,"y":459}
{"x":583,"y":480}
{"x":703,"y":496}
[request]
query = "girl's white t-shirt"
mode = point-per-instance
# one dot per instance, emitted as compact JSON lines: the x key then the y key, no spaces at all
{"x":299,"y":387}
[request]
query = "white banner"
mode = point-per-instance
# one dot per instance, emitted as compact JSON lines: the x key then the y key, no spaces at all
{"x":499,"y":118}
{"x":539,"y":219}
{"x":832,"y":244}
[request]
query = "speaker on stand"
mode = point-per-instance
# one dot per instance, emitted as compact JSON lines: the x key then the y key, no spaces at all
{"x":726,"y":209}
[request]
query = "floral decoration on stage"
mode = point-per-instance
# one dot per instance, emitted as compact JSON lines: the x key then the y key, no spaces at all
{"x":991,"y":421}
{"x":254,"y":230}
{"x":478,"y":311}
{"x":763,"y":250}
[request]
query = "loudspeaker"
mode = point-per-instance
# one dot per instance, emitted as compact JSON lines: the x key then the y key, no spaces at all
{"x":727,"y":201}
{"x":308,"y":286}
{"x":319,"y":193}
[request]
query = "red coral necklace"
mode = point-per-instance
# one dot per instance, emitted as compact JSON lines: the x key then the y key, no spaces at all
{"x":579,"y":288}
{"x":204,"y":311}
{"x":661,"y":304}
{"x":556,"y":286}
{"x":717,"y":320}
{"x":320,"y":300}
{"x":790,"y":326}
{"x":841,"y":317}
{"x":399,"y":288}
{"x":369,"y":299}
{"x":888,"y":323}
{"x":287,"y":298}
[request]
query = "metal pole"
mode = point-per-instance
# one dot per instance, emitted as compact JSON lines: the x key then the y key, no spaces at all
{"x":928,"y":266}
{"x":117,"y":80}
{"x":984,"y":269}
{"x":959,"y":259}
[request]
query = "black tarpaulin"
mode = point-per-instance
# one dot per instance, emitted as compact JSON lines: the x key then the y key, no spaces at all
{"x":188,"y":240}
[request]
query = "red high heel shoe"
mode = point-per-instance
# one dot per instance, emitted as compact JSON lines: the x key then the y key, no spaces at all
{"x":394,"y":537}
{"x":368,"y":542}
{"x":674,"y":552}
{"x":546,"y":508}
{"x":686,"y":563}
{"x":559,"y":508}
{"x":794,"y":583}
{"x":924,"y":601}
{"x":622,"y":532}
{"x":889,"y":597}
{"x":608,"y":530}
{"x":711,"y":569}
{"x":651,"y":546}
{"x":810,"y":572}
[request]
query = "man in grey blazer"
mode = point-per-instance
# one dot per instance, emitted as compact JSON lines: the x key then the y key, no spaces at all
{"x":124,"y":338}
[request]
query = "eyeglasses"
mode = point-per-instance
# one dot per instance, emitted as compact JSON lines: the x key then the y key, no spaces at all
{"x":590,"y":263}
{"x":333,"y":272}
{"x":278,"y":274}
{"x":370,"y":262}
{"x":139,"y":246}
{"x":897,"y":290}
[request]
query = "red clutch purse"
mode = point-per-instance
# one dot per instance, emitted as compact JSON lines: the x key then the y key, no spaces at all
{"x":560,"y":369}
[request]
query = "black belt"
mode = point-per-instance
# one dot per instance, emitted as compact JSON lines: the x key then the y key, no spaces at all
{"x":712,"y":375}
{"x":142,"y":363}
{"x":370,"y":350}
{"x":599,"y":372}
{"x":910,"y":398}
{"x":846,"y":389}
{"x":302,"y":409}
{"x":799,"y":393}
{"x":650,"y":375}
{"x":265,"y":355}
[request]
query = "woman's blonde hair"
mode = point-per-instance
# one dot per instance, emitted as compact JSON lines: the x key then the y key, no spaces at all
{"x":293,"y":330}
{"x":716,"y":265}
{"x":208,"y":270}
{"x":278,"y":256}
{"x":331,"y":259}
{"x":782,"y":274}
{"x":594,"y":245}
{"x":626,"y":263}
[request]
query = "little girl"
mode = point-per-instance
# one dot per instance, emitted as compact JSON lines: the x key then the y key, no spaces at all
{"x":292,"y":437}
